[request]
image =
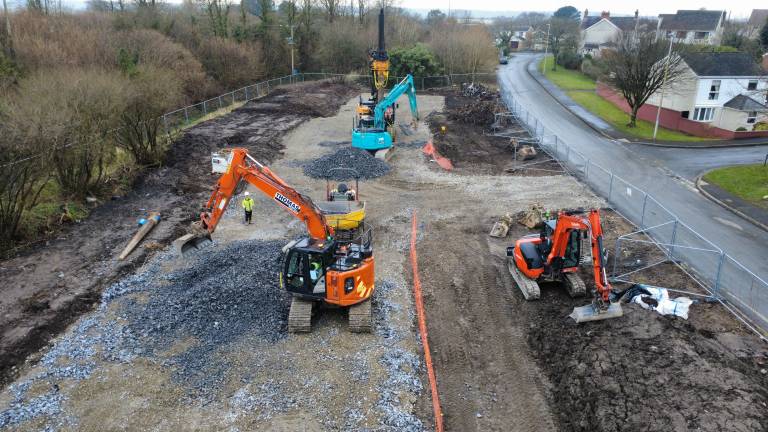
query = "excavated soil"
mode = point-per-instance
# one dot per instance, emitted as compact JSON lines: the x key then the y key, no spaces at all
{"x":645,"y":371}
{"x":469,"y":143}
{"x":46,"y":288}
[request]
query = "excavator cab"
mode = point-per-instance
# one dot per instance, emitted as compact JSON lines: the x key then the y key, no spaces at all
{"x":304,"y":268}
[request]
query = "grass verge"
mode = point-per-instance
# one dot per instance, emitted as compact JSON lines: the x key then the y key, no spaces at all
{"x":748,"y":182}
{"x":580,"y":88}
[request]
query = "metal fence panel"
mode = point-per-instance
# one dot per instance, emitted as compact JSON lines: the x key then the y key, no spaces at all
{"x":744,"y":290}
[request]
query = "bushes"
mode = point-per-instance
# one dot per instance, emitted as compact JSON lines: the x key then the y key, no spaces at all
{"x":342,"y":49}
{"x":230,"y":63}
{"x":151,"y":93}
{"x":68,"y":115}
{"x":569,"y":60}
{"x":592,"y":68}
{"x":418,"y":60}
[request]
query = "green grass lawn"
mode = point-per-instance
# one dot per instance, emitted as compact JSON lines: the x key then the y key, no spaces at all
{"x":568,"y":79}
{"x":749,"y":182}
{"x":575,"y":83}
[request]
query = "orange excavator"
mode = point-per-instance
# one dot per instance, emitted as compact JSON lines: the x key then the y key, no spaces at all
{"x":554,"y":255}
{"x":315,"y":269}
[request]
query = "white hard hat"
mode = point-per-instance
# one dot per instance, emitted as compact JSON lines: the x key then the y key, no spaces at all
{"x":247,"y":193}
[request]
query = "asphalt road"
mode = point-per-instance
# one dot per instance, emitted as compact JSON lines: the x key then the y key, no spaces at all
{"x":664,"y":173}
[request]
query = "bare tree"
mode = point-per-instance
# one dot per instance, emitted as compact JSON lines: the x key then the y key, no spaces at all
{"x":8,"y":45}
{"x":331,"y":8}
{"x":639,"y":67}
{"x":218,"y":15}
{"x":563,"y":33}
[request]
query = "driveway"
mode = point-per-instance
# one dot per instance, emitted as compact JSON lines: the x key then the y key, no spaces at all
{"x":664,"y":173}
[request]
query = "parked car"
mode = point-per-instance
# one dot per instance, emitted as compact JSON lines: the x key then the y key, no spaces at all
{"x":503,"y":60}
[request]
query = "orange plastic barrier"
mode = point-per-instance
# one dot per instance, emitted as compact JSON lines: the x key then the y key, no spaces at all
{"x":423,"y":330}
{"x":444,"y":162}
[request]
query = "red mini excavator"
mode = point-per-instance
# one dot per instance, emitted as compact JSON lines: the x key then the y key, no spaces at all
{"x":315,"y":269}
{"x":554,"y":255}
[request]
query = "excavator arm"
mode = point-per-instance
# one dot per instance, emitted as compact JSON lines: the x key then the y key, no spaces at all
{"x":404,"y":86}
{"x":592,"y":224}
{"x":244,"y":167}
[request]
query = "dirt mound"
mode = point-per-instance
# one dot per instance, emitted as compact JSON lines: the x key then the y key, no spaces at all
{"x":480,"y":113}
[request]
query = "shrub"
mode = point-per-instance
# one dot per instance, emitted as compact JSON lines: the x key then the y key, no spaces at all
{"x":592,"y":68}
{"x":152,"y":48}
{"x":151,"y":93}
{"x":342,"y":49}
{"x":69,"y":115}
{"x":230,"y":63}
{"x":569,"y":60}
{"x":418,"y":60}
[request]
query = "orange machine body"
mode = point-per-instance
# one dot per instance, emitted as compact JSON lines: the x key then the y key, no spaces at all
{"x":316,"y":267}
{"x":557,"y":249}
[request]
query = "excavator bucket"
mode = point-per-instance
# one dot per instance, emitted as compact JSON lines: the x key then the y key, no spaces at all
{"x":189,"y":242}
{"x":592,"y":312}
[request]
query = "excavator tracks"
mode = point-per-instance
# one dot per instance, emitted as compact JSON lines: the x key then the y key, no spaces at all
{"x":529,"y":287}
{"x":300,"y":316}
{"x":360,"y":317}
{"x":574,"y":285}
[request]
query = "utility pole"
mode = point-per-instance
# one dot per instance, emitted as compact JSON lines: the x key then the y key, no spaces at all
{"x":8,"y":39}
{"x":546,"y":48}
{"x":663,"y":84}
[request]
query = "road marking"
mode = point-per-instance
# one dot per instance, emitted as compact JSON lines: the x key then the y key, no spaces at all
{"x":729,"y":223}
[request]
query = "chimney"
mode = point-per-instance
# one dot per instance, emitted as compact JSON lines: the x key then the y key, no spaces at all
{"x":605,"y":14}
{"x":586,"y":13}
{"x":765,"y":62}
{"x":637,"y":12}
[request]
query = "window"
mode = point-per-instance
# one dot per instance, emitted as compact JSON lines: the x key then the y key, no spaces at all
{"x":703,"y":114}
{"x":751,"y":117}
{"x":685,"y":114}
{"x":701,"y":35}
{"x":752,"y":85}
{"x":714,"y":90}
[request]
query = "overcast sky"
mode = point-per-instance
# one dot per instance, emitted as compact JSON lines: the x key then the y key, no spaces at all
{"x":737,"y":8}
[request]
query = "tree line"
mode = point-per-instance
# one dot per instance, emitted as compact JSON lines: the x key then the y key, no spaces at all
{"x":81,"y":94}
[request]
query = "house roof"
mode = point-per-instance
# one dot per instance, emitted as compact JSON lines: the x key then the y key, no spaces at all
{"x":745,"y":103}
{"x":625,"y":23}
{"x":691,"y":20}
{"x":758,"y":17}
{"x":721,"y":64}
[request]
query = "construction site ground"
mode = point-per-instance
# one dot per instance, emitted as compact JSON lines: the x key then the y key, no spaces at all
{"x":200,"y":343}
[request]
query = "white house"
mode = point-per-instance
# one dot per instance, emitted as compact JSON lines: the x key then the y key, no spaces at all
{"x":692,"y":26}
{"x":601,"y":32}
{"x":725,"y":90}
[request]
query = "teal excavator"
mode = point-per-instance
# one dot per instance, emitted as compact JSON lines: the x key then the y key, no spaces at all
{"x":373,"y":128}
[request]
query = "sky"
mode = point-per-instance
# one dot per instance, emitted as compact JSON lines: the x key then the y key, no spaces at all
{"x":737,"y":8}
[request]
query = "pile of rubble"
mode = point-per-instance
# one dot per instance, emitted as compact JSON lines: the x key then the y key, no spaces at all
{"x":365,"y":164}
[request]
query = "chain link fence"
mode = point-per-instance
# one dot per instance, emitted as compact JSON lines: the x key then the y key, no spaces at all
{"x":723,"y":277}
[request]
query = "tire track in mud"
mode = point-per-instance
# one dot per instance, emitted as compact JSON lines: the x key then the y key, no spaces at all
{"x":487,"y":378}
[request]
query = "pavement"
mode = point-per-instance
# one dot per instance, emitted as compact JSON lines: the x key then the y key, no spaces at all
{"x":666,"y":174}
{"x":607,"y":130}
{"x":745,"y":209}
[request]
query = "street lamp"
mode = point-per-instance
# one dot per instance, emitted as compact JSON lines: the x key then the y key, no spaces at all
{"x":663,"y":84}
{"x":291,"y":43}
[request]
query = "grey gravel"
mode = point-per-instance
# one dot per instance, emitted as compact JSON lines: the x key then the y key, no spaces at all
{"x":361,"y":161}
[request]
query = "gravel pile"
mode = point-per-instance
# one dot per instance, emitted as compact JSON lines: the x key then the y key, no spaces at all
{"x":360,"y":160}
{"x":225,"y":294}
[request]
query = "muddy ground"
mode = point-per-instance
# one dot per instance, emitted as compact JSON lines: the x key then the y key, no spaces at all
{"x":47,"y":288}
{"x":502,"y":363}
{"x":476,"y":142}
